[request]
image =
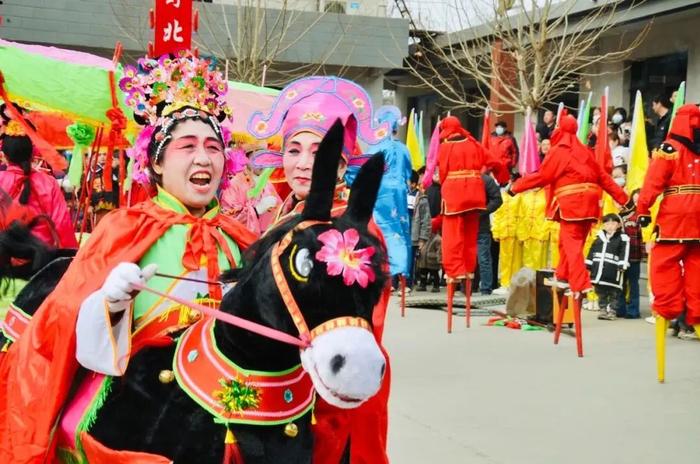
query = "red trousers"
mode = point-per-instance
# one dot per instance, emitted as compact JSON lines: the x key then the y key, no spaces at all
{"x":459,"y":234}
{"x":365,"y":427}
{"x":675,"y":280}
{"x":572,"y":266}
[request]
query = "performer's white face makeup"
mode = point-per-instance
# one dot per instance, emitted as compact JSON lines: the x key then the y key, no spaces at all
{"x":298,"y":162}
{"x":191,"y":165}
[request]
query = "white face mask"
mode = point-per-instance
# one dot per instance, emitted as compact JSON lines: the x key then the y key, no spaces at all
{"x":617,"y":118}
{"x":620,"y":181}
{"x":500,"y":130}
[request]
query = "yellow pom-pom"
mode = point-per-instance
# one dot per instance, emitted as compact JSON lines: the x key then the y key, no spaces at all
{"x":14,"y":129}
{"x":230,"y":437}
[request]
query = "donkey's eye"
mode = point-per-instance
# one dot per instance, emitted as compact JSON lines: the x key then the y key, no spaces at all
{"x":302,"y":264}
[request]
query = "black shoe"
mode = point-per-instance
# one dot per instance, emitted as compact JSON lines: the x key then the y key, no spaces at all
{"x":435,"y":290}
{"x":486,"y":292}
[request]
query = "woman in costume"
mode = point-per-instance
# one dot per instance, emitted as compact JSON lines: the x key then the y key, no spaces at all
{"x":391,"y":209}
{"x":35,"y":190}
{"x":304,"y":112}
{"x":95,"y":309}
{"x":249,"y":203}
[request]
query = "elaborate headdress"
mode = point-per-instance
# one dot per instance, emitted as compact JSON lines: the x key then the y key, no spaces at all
{"x":392,"y":115}
{"x":164,"y":91}
{"x":313,"y":104}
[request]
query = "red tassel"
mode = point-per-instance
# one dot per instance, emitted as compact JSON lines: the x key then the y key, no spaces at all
{"x":232,"y":453}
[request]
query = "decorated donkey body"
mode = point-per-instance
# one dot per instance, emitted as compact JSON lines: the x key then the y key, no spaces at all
{"x":25,"y":257}
{"x":160,"y":407}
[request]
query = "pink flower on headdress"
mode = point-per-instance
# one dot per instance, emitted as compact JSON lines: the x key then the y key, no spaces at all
{"x":341,"y":257}
{"x":139,"y":155}
{"x":221,"y":88}
{"x":359,"y":103}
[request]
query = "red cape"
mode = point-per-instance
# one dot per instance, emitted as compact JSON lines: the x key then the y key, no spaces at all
{"x":36,"y":372}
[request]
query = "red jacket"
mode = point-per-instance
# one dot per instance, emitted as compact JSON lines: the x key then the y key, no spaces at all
{"x":461,"y":162}
{"x":45,"y":198}
{"x":575,"y":180}
{"x":504,"y":147}
{"x":675,"y":173}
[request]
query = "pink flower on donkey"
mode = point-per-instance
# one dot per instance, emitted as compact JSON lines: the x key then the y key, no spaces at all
{"x":341,"y":257}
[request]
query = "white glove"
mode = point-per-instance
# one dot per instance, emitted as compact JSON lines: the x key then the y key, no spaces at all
{"x":265,"y":204}
{"x":119,"y":286}
{"x":66,"y":185}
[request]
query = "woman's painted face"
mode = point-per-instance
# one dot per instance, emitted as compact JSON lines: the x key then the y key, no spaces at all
{"x":298,"y":162}
{"x":192,"y":164}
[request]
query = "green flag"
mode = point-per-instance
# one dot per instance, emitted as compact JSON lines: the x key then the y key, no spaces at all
{"x":680,"y":100}
{"x":585,"y":126}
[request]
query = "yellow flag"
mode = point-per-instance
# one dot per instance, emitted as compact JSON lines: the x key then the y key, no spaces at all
{"x":413,"y":144}
{"x":639,"y":155}
{"x":639,"y":161}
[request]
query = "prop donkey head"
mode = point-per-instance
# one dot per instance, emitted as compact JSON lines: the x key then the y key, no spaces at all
{"x":319,"y":277}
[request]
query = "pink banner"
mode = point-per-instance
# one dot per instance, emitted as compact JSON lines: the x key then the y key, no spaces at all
{"x":529,"y":160}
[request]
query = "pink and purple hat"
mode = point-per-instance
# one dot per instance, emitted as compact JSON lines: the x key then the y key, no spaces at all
{"x":313,"y":104}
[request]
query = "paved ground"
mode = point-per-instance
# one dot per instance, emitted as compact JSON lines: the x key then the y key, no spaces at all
{"x":497,"y":396}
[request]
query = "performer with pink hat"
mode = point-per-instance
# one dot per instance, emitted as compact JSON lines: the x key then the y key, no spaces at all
{"x":303,"y":113}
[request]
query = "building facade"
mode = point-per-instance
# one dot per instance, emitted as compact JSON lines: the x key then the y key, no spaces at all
{"x":360,"y":44}
{"x":669,"y":55}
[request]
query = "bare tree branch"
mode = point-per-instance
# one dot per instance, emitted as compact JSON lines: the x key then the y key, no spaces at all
{"x":523,"y":58}
{"x":257,"y":42}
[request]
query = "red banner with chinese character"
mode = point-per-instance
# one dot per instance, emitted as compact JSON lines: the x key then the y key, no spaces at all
{"x":173,"y":26}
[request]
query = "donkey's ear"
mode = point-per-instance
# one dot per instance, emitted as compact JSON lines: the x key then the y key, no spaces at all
{"x":364,"y":190}
{"x":323,"y":178}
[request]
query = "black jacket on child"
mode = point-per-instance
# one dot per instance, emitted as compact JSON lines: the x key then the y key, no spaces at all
{"x":608,"y":258}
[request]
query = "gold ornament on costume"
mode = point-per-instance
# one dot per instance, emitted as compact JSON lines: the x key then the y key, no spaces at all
{"x":291,"y":430}
{"x":166,"y":376}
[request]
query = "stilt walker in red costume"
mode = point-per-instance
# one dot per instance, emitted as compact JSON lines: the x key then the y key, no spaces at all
{"x":575,"y":181}
{"x":461,"y":161}
{"x":675,"y":257}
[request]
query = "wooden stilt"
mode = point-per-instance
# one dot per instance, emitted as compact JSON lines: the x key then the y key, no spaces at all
{"x":402,"y":285}
{"x":661,"y":328}
{"x":561,"y":307}
{"x":468,"y":290}
{"x":575,"y":304}
{"x":450,"y":298}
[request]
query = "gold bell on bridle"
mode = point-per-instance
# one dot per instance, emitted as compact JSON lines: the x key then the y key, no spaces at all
{"x":166,"y":376}
{"x":291,"y":430}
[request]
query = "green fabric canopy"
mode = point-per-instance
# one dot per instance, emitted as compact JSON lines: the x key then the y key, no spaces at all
{"x":49,"y":79}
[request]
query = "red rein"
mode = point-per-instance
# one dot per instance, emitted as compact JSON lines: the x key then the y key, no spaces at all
{"x":236,"y":321}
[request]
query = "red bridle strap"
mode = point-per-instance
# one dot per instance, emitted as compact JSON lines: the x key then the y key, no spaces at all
{"x":288,"y":298}
{"x":305,"y":335}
